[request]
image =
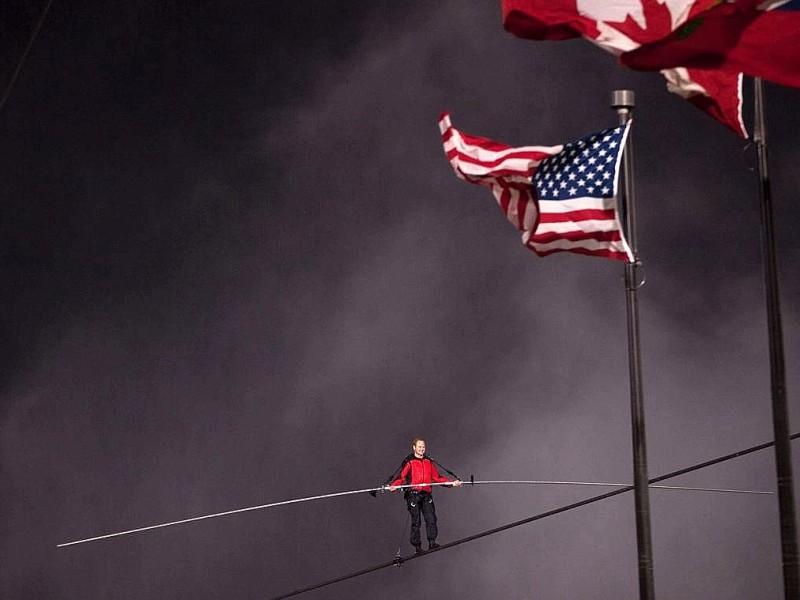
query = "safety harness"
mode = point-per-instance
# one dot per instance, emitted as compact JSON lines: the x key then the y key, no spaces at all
{"x":399,"y":469}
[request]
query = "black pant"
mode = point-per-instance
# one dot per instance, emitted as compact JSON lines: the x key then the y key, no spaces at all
{"x":422,"y":502}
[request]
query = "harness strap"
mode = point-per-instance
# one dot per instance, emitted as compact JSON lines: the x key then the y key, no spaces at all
{"x":394,"y":475}
{"x":441,"y":466}
{"x":397,"y":471}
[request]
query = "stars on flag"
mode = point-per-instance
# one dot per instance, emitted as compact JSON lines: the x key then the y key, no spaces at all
{"x":562,"y":198}
{"x":585,"y":168}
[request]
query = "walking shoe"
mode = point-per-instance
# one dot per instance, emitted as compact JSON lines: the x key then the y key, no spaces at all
{"x":418,"y":550}
{"x":433,"y":546}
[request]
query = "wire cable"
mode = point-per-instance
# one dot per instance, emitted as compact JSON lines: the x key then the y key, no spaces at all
{"x":538,"y":517}
{"x":397,"y":555}
{"x":608,"y":484}
{"x":14,"y":76}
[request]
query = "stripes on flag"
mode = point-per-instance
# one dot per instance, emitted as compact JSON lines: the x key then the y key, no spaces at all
{"x":562,"y":198}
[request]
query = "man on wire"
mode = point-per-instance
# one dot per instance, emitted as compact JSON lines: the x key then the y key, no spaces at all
{"x":418,"y":470}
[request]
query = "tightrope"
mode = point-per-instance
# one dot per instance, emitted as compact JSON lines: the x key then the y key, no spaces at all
{"x":399,"y":561}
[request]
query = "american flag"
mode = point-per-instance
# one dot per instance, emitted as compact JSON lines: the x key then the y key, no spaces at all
{"x":563,"y":198}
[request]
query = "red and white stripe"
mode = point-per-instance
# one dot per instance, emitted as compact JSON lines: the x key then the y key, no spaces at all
{"x":583,"y":225}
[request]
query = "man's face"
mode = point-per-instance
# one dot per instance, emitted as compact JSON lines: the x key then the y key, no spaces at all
{"x":419,"y":448}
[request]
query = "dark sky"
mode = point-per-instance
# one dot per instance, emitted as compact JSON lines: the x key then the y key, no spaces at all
{"x":238,"y":269}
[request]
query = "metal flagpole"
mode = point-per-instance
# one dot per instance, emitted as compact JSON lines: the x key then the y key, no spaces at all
{"x":780,"y":417}
{"x":623,"y":102}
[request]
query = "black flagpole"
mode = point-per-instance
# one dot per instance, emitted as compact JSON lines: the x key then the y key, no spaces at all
{"x":623,"y":102}
{"x":780,"y":417}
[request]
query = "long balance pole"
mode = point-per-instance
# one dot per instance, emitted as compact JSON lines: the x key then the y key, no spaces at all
{"x":623,"y":102}
{"x":780,"y":417}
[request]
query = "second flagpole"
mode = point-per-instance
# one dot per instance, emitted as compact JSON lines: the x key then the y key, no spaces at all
{"x":780,"y":413}
{"x":623,"y":102}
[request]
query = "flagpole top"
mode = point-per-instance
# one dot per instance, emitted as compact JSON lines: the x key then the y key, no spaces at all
{"x":623,"y":99}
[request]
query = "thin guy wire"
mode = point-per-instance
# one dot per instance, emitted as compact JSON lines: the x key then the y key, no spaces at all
{"x":403,"y":534}
{"x":608,"y":484}
{"x":35,"y":32}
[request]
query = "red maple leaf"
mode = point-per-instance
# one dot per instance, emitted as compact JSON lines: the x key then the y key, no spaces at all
{"x":658,"y":20}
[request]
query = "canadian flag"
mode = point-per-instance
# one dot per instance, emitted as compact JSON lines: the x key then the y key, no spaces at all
{"x":758,"y":38}
{"x":620,"y":26}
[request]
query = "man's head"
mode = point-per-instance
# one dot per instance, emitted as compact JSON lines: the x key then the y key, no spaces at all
{"x":418,"y":446}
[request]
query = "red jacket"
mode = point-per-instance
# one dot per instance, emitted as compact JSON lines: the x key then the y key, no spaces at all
{"x":419,"y":471}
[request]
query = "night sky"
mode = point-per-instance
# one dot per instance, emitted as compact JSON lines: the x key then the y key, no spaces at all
{"x":237,"y":268}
